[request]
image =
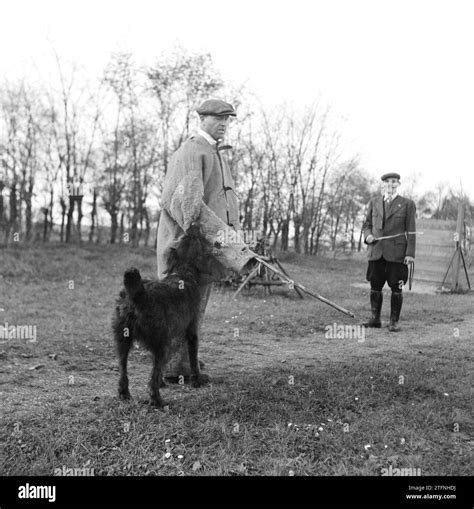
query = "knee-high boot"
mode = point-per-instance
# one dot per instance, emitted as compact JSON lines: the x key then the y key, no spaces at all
{"x":395,"y":308}
{"x":376,"y":299}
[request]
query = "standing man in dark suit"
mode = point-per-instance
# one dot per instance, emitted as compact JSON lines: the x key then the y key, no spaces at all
{"x":389,"y":215}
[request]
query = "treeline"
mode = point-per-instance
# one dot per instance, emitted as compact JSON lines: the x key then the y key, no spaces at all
{"x":84,"y":160}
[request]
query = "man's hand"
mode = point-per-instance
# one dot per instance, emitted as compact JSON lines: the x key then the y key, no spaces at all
{"x":408,"y":260}
{"x":253,"y":244}
{"x":370,"y":239}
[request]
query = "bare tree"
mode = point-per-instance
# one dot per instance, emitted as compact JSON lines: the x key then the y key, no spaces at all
{"x":130,"y":151}
{"x":178,"y":83}
{"x":20,"y":153}
{"x":75,"y":126}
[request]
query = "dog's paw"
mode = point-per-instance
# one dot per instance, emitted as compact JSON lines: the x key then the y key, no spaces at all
{"x":158,"y":403}
{"x":199,"y":381}
{"x":125,"y":395}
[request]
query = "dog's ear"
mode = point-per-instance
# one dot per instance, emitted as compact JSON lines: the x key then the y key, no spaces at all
{"x":132,"y":277}
{"x":134,"y":285}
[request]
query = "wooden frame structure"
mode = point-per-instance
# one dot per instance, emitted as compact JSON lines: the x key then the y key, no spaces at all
{"x":458,"y":259}
{"x":262,"y":275}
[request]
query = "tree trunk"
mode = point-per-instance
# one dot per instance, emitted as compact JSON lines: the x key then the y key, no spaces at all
{"x":2,"y":216}
{"x":93,"y":216}
{"x":316,"y":244}
{"x":359,"y":245}
{"x":334,"y":233}
{"x":265,"y":217}
{"x":79,"y":218}
{"x":28,"y":217}
{"x":113,"y":226}
{"x":297,"y":224}
{"x":352,"y":234}
{"x":346,"y":234}
{"x":13,"y":209}
{"x":63,"y":218}
{"x":122,"y":218}
{"x":147,"y":223}
{"x":277,"y":233}
{"x":98,"y":237}
{"x":248,"y":210}
{"x":29,"y":208}
{"x":140,"y":224}
{"x":285,"y":230}
{"x":51,"y":204}
{"x":45,"y":223}
{"x":70,"y":214}
{"x":306,"y":245}
{"x":134,"y":226}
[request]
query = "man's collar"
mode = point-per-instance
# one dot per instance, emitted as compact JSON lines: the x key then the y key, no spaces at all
{"x":206,"y":136}
{"x":394,"y":195}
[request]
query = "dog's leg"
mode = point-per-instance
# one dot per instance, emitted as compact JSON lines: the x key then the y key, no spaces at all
{"x":123,"y":347}
{"x":197,"y":378}
{"x":156,"y":380}
{"x":193,"y":346}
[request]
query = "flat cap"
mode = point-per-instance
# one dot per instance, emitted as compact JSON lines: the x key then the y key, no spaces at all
{"x":390,"y":176}
{"x":217,"y":108}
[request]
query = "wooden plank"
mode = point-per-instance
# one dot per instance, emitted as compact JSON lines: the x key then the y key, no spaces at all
{"x":434,"y":249}
{"x":266,"y":283}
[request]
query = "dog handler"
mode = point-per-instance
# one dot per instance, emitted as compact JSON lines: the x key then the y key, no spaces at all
{"x":198,"y":187}
{"x":389,"y":215}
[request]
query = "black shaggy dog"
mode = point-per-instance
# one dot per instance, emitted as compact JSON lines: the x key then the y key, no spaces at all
{"x":154,"y":312}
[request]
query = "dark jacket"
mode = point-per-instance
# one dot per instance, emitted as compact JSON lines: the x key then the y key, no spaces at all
{"x":399,"y":218}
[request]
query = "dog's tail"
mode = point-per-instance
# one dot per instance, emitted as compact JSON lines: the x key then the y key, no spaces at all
{"x":133,"y":283}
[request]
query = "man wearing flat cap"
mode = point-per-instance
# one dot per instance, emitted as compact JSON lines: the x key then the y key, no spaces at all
{"x":389,"y":215}
{"x":199,"y":188}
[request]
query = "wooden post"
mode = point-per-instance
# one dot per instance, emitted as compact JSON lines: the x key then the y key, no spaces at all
{"x":458,"y":240}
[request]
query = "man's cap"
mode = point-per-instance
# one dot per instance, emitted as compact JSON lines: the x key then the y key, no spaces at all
{"x":217,"y":108}
{"x":390,"y":176}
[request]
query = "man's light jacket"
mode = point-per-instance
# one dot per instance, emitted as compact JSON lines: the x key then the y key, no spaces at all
{"x":198,"y":187}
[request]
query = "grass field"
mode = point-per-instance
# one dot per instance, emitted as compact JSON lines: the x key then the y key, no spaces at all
{"x":285,"y":399}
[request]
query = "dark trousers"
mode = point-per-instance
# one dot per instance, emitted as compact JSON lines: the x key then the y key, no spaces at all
{"x":380,"y":272}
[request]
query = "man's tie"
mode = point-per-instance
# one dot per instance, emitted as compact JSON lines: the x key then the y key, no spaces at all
{"x":218,"y":148}
{"x":386,"y":208}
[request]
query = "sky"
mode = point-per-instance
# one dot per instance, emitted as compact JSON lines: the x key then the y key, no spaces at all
{"x":399,"y":74}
